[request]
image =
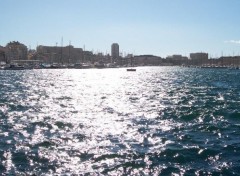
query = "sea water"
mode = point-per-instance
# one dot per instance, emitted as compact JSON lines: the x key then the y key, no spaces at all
{"x":155,"y":121}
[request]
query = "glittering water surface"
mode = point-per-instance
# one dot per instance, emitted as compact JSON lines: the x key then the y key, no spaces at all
{"x":155,"y":121}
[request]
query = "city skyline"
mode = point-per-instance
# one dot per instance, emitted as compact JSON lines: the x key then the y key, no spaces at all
{"x":138,"y":26}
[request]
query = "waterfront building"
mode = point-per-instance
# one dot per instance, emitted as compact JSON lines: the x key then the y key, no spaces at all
{"x":115,"y":51}
{"x":229,"y":61}
{"x":199,"y":58}
{"x":31,"y":54}
{"x":55,"y":54}
{"x":16,"y":51}
{"x":88,"y":56}
{"x":2,"y":54}
{"x":176,"y":59}
{"x":147,"y":60}
{"x":100,"y":57}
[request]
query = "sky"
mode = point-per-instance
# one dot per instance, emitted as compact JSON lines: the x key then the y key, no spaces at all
{"x":157,"y":27}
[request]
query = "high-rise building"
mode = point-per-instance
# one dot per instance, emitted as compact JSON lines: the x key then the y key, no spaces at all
{"x":115,"y":50}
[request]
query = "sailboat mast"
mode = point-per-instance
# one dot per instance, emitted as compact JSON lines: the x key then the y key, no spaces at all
{"x":61,"y":50}
{"x":69,"y":52}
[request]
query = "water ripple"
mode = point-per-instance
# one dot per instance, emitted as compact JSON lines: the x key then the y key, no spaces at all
{"x":155,"y":121}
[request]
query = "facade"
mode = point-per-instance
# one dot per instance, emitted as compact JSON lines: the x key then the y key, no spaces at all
{"x":115,"y":51}
{"x":2,"y":54}
{"x":177,"y":60}
{"x":55,"y":54}
{"x":229,"y":61}
{"x":88,"y":56}
{"x":199,"y":58}
{"x":147,"y":60}
{"x":31,"y":53}
{"x":16,"y":51}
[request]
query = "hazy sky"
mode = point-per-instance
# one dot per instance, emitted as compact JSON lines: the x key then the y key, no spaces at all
{"x":159,"y":27}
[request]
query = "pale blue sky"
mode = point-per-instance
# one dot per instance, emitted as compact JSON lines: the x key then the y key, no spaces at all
{"x":159,"y":27}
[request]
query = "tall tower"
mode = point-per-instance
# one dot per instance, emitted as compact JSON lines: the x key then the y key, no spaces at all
{"x":115,"y":51}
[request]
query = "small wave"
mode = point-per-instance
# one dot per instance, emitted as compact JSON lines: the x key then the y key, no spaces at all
{"x":161,"y":121}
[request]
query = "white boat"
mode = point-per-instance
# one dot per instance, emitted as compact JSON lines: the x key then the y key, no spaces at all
{"x":86,"y":65}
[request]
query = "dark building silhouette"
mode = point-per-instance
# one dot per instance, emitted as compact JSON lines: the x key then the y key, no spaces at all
{"x":55,"y":54}
{"x":16,"y":51}
{"x":2,"y":54}
{"x":147,"y":60}
{"x":177,"y":59}
{"x":115,"y":51}
{"x":199,"y":58}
